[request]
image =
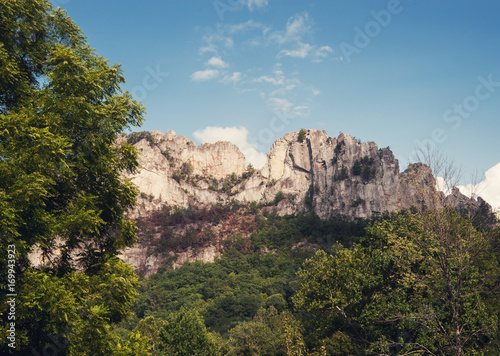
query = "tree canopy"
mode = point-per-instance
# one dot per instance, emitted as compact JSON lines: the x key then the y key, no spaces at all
{"x":425,"y":282}
{"x":61,"y":185}
{"x":62,"y":109}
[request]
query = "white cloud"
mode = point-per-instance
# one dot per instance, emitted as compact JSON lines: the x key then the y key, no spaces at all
{"x":207,"y":49}
{"x":233,"y":78}
{"x":323,"y":51}
{"x":236,"y":135}
{"x":266,"y":79}
{"x":214,"y":41}
{"x":278,"y":79}
{"x":286,"y":107}
{"x":281,"y":104}
{"x":245,"y":26}
{"x":256,"y":4}
{"x":203,"y":75}
{"x":488,"y":189}
{"x":297,"y":34}
{"x":297,"y":27}
{"x":217,"y":62}
{"x":302,"y":51}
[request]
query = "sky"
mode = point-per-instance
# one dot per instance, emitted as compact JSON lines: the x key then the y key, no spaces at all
{"x":402,"y":73}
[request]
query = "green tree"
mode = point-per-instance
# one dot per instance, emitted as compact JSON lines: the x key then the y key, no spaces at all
{"x":150,"y":327}
{"x":248,"y":172}
{"x":451,"y":275}
{"x":61,"y":167}
{"x":74,"y":313}
{"x":302,"y":135}
{"x":269,"y":333}
{"x":278,"y":197}
{"x":357,"y":168}
{"x":185,"y":334}
{"x":61,"y":186}
{"x":425,"y":282}
{"x":135,"y":345}
{"x":334,"y":289}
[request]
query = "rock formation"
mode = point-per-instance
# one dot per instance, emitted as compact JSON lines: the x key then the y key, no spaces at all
{"x":304,"y":170}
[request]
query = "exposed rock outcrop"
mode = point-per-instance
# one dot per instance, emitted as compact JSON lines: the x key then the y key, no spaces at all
{"x":328,"y":175}
{"x":174,"y":170}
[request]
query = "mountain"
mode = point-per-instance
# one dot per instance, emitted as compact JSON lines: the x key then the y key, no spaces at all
{"x":305,"y":170}
{"x":191,"y":196}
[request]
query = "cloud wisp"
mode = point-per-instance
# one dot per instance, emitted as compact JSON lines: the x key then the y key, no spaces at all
{"x":204,"y":75}
{"x":271,"y":68}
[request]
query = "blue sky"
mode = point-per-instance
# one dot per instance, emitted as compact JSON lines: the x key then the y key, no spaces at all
{"x":394,"y":72}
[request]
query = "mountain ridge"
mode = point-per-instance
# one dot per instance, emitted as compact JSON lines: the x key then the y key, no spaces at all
{"x":329,"y":176}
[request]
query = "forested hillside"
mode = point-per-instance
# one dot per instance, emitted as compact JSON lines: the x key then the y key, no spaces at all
{"x":424,"y":280}
{"x":417,"y":281}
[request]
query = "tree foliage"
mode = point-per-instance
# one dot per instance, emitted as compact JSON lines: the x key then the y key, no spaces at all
{"x":185,"y":334}
{"x":74,"y":313}
{"x":302,"y":135}
{"x":62,"y":109}
{"x":61,"y":186}
{"x":269,"y":333}
{"x":424,"y":282}
{"x":453,"y":275}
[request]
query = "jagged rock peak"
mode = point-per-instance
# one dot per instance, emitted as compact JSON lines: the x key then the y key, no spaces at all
{"x":215,"y":160}
{"x":305,"y":170}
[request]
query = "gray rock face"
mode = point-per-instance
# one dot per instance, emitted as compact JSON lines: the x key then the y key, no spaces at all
{"x":176,"y":171}
{"x":328,"y":175}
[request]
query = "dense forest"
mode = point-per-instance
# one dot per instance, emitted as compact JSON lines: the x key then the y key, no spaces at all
{"x":423,"y":281}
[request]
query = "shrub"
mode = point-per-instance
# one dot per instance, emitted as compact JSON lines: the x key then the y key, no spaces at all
{"x":357,"y":168}
{"x":248,"y":173}
{"x":167,"y":156}
{"x":368,"y":173}
{"x":302,"y":135}
{"x":341,"y":175}
{"x":271,"y":183}
{"x":338,"y":148}
{"x":357,"y":202}
{"x":363,"y":167}
{"x":278,"y":197}
{"x":183,"y":173}
{"x":135,"y":137}
{"x":176,"y":176}
{"x":187,"y":168}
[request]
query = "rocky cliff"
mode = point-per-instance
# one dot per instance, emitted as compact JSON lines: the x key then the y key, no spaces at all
{"x":304,"y":170}
{"x":185,"y":209}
